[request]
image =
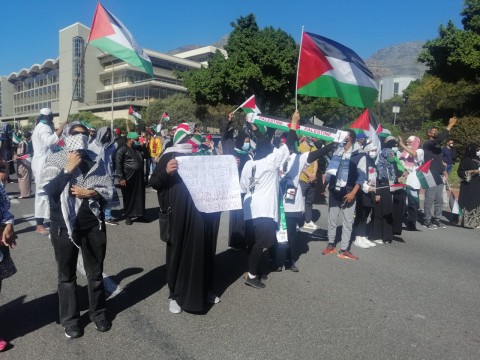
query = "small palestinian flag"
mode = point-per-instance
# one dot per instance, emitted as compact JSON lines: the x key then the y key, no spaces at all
{"x":382,"y":132}
{"x":181,"y":132}
{"x":135,"y":114}
{"x":249,"y":106}
{"x":425,"y":176}
{"x":397,"y":187}
{"x":16,"y":138}
{"x":367,"y":123}
{"x":165,"y":117}
{"x":454,"y":207}
{"x":329,"y":69}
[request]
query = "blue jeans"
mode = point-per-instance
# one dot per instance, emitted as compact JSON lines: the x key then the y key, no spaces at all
{"x":108,"y":213}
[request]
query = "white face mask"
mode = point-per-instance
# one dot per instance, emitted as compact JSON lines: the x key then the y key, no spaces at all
{"x":478,"y":153}
{"x":372,"y":154}
{"x":395,"y":149}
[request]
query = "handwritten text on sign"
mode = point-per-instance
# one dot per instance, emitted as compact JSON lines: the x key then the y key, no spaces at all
{"x":212,"y":182}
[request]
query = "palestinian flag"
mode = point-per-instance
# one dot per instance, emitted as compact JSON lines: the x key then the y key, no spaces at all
{"x":329,"y":69}
{"x":425,"y":176}
{"x":108,"y":34}
{"x":382,"y":132}
{"x":396,"y":187}
{"x":454,"y":207}
{"x":16,"y":138}
{"x":250,"y":106}
{"x":367,"y":123}
{"x":165,"y":117}
{"x":135,"y":114}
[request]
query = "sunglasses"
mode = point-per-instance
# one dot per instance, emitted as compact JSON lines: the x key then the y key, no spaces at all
{"x":76,"y":132}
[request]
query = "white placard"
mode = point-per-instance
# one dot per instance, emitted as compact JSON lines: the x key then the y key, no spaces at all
{"x":212,"y":181}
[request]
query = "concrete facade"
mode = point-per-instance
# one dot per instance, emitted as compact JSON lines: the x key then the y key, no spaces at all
{"x":390,"y":86}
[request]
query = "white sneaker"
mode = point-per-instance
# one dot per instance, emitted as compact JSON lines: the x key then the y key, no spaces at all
{"x":310,"y":225}
{"x":360,"y":243}
{"x":174,"y":307}
{"x":212,"y":298}
{"x":379,"y":241}
{"x":368,"y":242}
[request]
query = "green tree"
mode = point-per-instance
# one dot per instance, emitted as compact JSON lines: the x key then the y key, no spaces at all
{"x":455,"y":54}
{"x":260,"y":62}
{"x":179,"y":108}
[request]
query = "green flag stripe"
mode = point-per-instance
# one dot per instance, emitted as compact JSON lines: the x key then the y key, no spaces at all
{"x":351,"y":95}
{"x":129,"y":56}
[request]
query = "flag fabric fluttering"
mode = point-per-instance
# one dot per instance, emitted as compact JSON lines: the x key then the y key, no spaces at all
{"x":382,"y":132}
{"x":367,"y":123}
{"x":108,"y":34}
{"x":454,"y":207}
{"x":425,"y":176}
{"x":249,"y":106}
{"x":329,"y":69}
{"x":165,"y":116}
{"x":136,"y":115}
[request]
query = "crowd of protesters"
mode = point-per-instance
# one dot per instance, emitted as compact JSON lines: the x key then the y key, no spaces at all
{"x":77,"y":171}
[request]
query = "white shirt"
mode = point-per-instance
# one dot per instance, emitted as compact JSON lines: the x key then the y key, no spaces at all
{"x":43,"y":137}
{"x":263,"y":202}
{"x":412,"y":179}
{"x":299,"y":202}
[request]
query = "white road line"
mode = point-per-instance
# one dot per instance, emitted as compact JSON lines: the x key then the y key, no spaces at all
{"x":111,"y":287}
{"x":30,"y":218}
{"x":13,"y":200}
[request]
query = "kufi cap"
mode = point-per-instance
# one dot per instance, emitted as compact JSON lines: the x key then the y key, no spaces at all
{"x":45,"y":111}
{"x":132,"y":135}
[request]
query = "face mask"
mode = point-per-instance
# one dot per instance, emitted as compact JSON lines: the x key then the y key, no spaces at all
{"x":372,"y":154}
{"x":246,"y":147}
{"x":76,"y":142}
{"x":478,"y":153}
{"x":391,"y":159}
{"x":395,"y":149}
{"x":136,"y":143}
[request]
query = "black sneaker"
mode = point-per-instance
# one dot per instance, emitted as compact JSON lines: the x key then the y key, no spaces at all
{"x":438,"y":224}
{"x":73,"y":332}
{"x":430,"y":225}
{"x":255,"y":282}
{"x":103,"y":325}
{"x":291,"y":266}
{"x":111,"y":222}
{"x":128,"y":221}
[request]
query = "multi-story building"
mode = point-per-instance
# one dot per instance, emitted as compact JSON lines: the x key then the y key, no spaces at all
{"x":85,"y":79}
{"x":393,"y":85}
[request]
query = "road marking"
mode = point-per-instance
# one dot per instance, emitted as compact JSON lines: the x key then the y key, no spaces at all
{"x":30,"y":218}
{"x":112,"y":289}
{"x":13,"y":200}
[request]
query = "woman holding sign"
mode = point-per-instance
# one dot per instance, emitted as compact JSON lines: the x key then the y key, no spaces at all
{"x":192,"y":235}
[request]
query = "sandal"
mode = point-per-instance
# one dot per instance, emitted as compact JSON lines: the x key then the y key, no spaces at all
{"x":3,"y":344}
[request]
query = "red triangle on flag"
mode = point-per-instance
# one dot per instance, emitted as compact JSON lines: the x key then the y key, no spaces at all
{"x":425,"y":168}
{"x":379,"y":129}
{"x":363,"y":121}
{"x":313,"y":62}
{"x":130,"y":110}
{"x":101,"y":25}
{"x":250,"y":103}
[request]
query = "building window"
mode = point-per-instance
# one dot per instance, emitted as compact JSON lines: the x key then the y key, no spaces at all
{"x":396,"y":86}
{"x":78,"y":47}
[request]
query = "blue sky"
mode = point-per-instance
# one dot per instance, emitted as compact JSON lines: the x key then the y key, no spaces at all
{"x":29,"y":28}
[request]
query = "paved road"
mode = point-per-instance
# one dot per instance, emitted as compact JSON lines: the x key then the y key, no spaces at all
{"x":418,"y":298}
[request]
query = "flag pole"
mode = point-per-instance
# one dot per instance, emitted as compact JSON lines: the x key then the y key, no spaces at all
{"x":113,"y":81}
{"x":298,"y":64}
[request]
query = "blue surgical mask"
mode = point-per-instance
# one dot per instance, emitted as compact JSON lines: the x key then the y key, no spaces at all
{"x":246,"y":146}
{"x":136,"y":143}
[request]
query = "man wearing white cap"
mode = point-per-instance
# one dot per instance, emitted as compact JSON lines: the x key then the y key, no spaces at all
{"x":43,"y":138}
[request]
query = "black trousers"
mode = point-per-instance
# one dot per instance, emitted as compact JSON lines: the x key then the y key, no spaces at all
{"x":308,"y":191}
{"x":260,"y":234}
{"x":93,"y":243}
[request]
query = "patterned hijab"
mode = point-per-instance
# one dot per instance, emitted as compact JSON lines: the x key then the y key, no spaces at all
{"x":385,"y":169}
{"x":4,"y":206}
{"x":185,"y":142}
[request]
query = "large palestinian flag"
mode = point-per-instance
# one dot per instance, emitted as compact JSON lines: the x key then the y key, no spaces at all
{"x":329,"y":69}
{"x":136,"y":115}
{"x":109,"y":35}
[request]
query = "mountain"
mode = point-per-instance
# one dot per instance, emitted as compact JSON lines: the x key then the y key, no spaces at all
{"x":400,"y":59}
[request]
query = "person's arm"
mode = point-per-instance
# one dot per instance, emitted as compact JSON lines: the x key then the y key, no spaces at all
{"x":225,"y":127}
{"x":245,"y":177}
{"x":361,"y":178}
{"x":444,"y":134}
{"x":47,"y":137}
{"x":119,"y":159}
{"x":405,"y":147}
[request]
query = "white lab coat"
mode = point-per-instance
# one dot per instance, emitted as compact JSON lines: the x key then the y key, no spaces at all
{"x":43,"y":138}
